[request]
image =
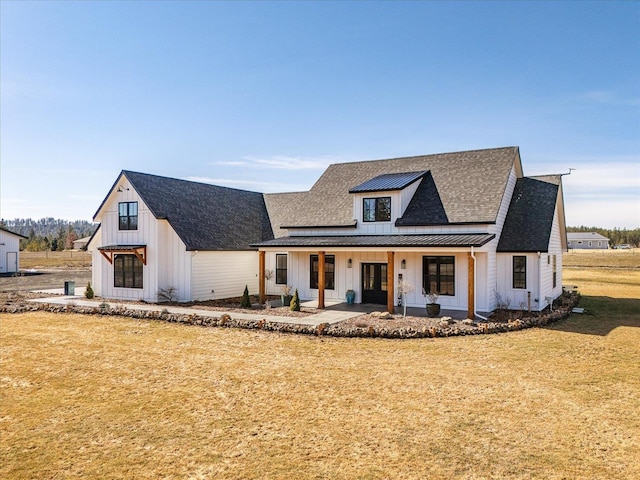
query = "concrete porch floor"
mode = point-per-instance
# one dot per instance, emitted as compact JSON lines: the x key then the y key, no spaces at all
{"x":372,"y":307}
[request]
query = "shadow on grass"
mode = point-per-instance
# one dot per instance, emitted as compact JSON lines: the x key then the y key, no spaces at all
{"x":602,"y":315}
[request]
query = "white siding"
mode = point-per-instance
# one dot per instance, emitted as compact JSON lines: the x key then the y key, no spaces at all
{"x":9,"y":252}
{"x":146,"y":234}
{"x":518,"y":298}
{"x":346,"y":278}
{"x":173,"y":261}
{"x":493,"y":272}
{"x":224,"y":274}
{"x":555,"y":249}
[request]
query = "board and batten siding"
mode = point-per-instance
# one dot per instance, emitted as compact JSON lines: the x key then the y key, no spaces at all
{"x":173,"y":262}
{"x":492,"y":262}
{"x":146,"y":234}
{"x":298,"y":275}
{"x":518,"y":298}
{"x":546,"y":281}
{"x":223,"y":274}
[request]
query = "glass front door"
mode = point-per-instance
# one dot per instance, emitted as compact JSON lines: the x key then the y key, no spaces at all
{"x":374,"y":283}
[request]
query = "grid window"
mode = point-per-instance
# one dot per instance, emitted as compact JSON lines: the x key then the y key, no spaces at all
{"x":519,"y":272}
{"x":329,"y":272}
{"x":128,"y":215}
{"x":127,"y":271}
{"x":281,"y":269}
{"x":555,"y":271}
{"x":438,"y":275}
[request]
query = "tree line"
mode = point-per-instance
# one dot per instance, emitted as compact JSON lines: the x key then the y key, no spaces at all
{"x":49,"y":234}
{"x":616,"y":236}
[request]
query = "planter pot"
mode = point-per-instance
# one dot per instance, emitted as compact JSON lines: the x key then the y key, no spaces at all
{"x":351,"y":296}
{"x":286,"y":300}
{"x":433,"y":309}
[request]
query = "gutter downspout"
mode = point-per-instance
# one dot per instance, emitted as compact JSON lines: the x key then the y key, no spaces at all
{"x":475,"y":277}
{"x":540,"y":282}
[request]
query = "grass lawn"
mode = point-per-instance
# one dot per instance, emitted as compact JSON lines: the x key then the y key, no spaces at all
{"x":92,"y":397}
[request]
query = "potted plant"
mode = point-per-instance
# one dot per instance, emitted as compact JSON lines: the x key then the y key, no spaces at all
{"x":286,"y":295}
{"x":433,"y":307}
{"x":351,"y":296}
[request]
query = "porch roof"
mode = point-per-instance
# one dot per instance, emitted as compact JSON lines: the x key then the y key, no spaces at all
{"x":415,"y":240}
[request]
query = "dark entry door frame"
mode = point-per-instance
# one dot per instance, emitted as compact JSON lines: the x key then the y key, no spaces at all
{"x":374,"y":283}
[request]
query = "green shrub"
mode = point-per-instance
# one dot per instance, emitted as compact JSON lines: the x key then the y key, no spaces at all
{"x":246,"y":301}
{"x":295,"y":302}
{"x":89,"y":291}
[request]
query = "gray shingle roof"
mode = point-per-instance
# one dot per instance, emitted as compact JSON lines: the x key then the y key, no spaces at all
{"x":388,"y":182}
{"x":432,"y":240}
{"x":470,"y":184}
{"x":527,"y":227}
{"x":585,"y":236}
{"x":205,"y":217}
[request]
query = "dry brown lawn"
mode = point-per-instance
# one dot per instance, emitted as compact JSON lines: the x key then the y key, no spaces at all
{"x":67,"y":258}
{"x":93,"y":397}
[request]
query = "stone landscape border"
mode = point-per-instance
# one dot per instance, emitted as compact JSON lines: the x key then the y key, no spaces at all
{"x":335,"y":330}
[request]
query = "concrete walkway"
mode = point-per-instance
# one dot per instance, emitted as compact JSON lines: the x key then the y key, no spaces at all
{"x":326,"y":316}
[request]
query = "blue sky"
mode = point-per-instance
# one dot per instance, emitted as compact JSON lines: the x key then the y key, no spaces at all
{"x":264,"y":95}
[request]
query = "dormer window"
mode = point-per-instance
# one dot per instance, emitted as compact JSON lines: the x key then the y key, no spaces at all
{"x":376,"y":209}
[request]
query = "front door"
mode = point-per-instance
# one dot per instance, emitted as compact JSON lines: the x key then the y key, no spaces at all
{"x":374,"y":283}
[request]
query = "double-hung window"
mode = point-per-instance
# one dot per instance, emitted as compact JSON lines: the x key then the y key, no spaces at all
{"x":555,"y":271}
{"x":376,"y":209}
{"x":128,"y":216}
{"x":281,"y":269}
{"x":438,"y":275}
{"x":329,"y":272}
{"x":519,"y":271}
{"x":127,"y":271}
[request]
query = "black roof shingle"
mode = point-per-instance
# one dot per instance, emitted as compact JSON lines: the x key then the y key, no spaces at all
{"x":527,"y":227}
{"x":204,"y":216}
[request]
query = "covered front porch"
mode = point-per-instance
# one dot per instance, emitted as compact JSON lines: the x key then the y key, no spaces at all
{"x":328,"y":267}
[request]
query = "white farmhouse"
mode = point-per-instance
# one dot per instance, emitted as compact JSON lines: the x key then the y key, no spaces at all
{"x":468,"y":226}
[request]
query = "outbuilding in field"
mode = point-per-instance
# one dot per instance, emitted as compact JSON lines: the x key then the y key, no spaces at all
{"x":9,"y":251}
{"x":587,"y":241}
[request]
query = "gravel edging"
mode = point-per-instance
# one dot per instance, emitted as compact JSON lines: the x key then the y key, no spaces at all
{"x":445,"y":328}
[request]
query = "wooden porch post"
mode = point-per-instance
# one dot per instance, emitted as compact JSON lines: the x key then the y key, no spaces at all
{"x":471,"y":290}
{"x":261,"y":279}
{"x":320,"y":280}
{"x":390,"y":282}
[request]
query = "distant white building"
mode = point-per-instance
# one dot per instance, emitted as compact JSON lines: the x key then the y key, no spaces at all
{"x":81,"y":243}
{"x":587,"y":240}
{"x":9,"y":251}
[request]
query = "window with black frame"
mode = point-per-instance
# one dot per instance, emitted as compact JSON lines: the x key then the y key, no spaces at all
{"x":519,"y":271}
{"x":376,"y":209}
{"x":281,"y":269}
{"x":128,"y":215}
{"x":438,"y":274}
{"x":329,"y":272}
{"x":127,"y":271}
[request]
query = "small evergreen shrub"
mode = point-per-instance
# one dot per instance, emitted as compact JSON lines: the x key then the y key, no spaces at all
{"x":246,"y":301}
{"x":295,"y":302}
{"x":89,"y":291}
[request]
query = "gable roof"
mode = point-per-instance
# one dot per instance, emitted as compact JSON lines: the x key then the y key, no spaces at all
{"x":5,"y":230}
{"x":527,"y":227}
{"x":470,"y":185}
{"x":204,"y":216}
{"x":586,"y":236}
